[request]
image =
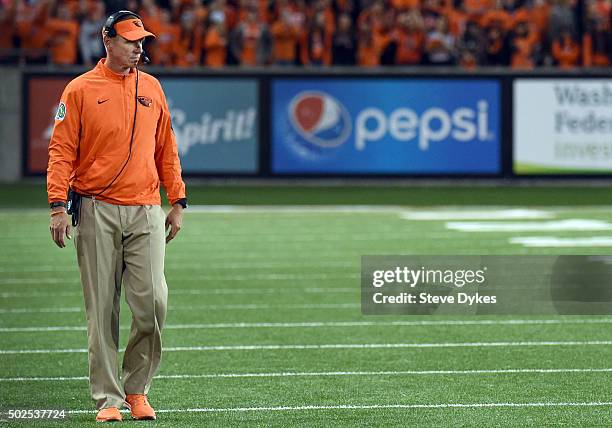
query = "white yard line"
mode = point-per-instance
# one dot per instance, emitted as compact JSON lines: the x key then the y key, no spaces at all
{"x":333,"y":346}
{"x":206,"y":278}
{"x":316,"y":209}
{"x":530,"y":226}
{"x":476,"y":214}
{"x":555,"y":242}
{"x":326,"y":324}
{"x":41,"y":310}
{"x":371,"y":407}
{"x":209,"y":265}
{"x":199,"y":291}
{"x":330,"y":374}
{"x":245,"y":306}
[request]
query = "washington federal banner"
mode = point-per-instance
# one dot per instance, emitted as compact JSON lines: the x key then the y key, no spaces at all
{"x":563,"y":126}
{"x":215,"y":122}
{"x":385,"y":126}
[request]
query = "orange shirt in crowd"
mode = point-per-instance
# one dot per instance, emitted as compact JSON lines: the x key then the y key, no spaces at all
{"x":468,"y":61}
{"x":409,"y":47}
{"x":457,"y":20}
{"x":405,"y":4}
{"x":284,"y":42}
{"x":330,"y":18}
{"x":603,"y":9}
{"x":8,"y":26}
{"x":591,"y":58}
{"x":31,"y":22}
{"x":91,"y":140}
{"x":166,"y":44}
{"x":231,"y":17}
{"x":189,"y":49}
{"x":151,"y":19}
{"x":369,"y":49}
{"x":538,"y":15}
{"x":566,"y":52}
{"x":522,"y":57}
{"x":476,"y":8}
{"x":497,"y":17}
{"x":373,"y":21}
{"x":63,"y":37}
{"x":215,"y":46}
{"x":251,"y":36}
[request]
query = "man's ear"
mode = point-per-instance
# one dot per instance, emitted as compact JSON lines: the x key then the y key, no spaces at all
{"x":105,"y":39}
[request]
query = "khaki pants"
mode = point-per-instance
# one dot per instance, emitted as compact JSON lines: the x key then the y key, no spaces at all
{"x":122,"y":244}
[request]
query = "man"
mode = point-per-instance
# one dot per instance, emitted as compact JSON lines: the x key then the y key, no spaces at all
{"x":113,"y":143}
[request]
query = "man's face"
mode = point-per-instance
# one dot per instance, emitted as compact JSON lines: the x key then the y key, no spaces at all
{"x":124,"y":52}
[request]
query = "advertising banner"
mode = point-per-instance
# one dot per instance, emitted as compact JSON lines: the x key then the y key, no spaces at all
{"x":215,"y":122}
{"x":385,"y":126}
{"x":43,"y":97}
{"x":563,"y":126}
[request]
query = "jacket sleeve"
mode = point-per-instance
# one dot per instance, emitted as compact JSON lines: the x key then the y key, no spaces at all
{"x":63,"y":145}
{"x":166,"y":155}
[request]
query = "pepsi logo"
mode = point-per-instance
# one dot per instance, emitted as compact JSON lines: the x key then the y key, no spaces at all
{"x":320,"y":119}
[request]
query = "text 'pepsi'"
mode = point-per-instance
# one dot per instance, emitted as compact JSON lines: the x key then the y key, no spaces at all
{"x":434,"y":124}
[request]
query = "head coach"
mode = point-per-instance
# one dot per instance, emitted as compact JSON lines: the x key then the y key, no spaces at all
{"x":111,"y":148}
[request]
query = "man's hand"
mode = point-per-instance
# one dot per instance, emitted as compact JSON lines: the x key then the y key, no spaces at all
{"x":174,"y":219}
{"x":59,"y":226}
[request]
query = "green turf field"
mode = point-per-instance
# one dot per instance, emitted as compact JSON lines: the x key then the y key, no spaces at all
{"x":265,"y":329}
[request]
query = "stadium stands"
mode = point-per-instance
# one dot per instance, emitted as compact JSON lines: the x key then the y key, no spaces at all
{"x":521,"y":34}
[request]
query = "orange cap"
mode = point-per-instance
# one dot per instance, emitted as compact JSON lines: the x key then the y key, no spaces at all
{"x":132,"y":29}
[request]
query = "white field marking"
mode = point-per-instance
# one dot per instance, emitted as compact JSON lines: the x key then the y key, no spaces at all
{"x":245,"y":306}
{"x":253,"y":277}
{"x":280,"y":209}
{"x":209,"y":266}
{"x":370,"y":407}
{"x":554,"y":242}
{"x":292,"y":209}
{"x":530,"y":226}
{"x":326,"y":324}
{"x":330,"y":374}
{"x":197,"y":292}
{"x":40,"y":310}
{"x":331,"y":346}
{"x":295,"y":241}
{"x":481,"y":214}
{"x":204,"y":278}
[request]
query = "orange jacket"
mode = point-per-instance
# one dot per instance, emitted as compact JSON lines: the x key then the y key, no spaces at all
{"x":91,"y":140}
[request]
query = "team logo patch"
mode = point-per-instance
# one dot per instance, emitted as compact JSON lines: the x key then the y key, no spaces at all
{"x":137,"y":23}
{"x":145,"y":101}
{"x":61,"y":111}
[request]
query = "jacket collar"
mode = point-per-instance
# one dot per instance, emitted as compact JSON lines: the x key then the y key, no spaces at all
{"x":110,"y":74}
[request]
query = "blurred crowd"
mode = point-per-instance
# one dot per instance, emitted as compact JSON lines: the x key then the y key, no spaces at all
{"x":521,"y":34}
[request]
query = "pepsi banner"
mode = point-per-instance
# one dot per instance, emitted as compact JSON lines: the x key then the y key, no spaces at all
{"x":215,"y":122}
{"x":386,"y":126}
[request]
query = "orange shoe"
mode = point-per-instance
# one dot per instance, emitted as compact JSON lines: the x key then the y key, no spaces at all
{"x":109,"y":414}
{"x":139,"y":406}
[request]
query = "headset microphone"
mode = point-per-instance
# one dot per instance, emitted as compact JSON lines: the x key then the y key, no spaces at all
{"x":145,"y":58}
